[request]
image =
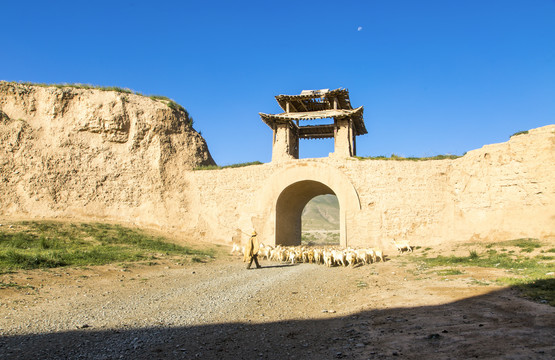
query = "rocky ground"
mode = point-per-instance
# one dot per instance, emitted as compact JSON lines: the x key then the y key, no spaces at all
{"x":282,"y":311}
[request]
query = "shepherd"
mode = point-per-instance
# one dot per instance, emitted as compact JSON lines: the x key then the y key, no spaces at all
{"x":251,"y":251}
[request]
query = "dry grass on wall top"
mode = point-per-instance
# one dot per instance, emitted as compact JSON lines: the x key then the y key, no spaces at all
{"x":164,"y":99}
{"x":217,"y":167}
{"x":520,"y":133}
{"x":401,"y":158}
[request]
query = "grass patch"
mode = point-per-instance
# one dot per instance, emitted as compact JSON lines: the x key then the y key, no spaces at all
{"x":411,"y":158}
{"x":533,"y":276}
{"x":44,"y":244}
{"x":525,"y":244}
{"x":479,"y":282}
{"x":542,"y":290}
{"x":520,"y":264}
{"x":159,"y":97}
{"x":448,"y":272}
{"x":12,"y":285}
{"x":520,"y":133}
{"x":361,"y":284}
{"x":216,"y":167}
{"x":197,"y":259}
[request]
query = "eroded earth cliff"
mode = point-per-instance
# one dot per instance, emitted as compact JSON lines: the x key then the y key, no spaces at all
{"x":92,"y":153}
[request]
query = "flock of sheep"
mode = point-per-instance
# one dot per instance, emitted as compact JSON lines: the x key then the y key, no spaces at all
{"x":329,"y":256}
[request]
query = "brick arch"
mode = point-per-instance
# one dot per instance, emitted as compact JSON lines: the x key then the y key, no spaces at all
{"x":287,"y":192}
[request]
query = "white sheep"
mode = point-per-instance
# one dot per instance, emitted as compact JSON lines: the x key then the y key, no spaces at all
{"x":402,"y":246}
{"x":362,"y":256}
{"x":318,"y":256}
{"x":328,"y":258}
{"x":237,"y":248}
{"x":371,"y":255}
{"x":339,"y":257}
{"x":351,"y":258}
{"x":379,"y":254}
{"x":293,"y":255}
{"x":265,"y":251}
{"x":276,"y":254}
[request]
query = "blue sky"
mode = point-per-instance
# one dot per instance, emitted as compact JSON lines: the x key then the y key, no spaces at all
{"x":434,"y":77}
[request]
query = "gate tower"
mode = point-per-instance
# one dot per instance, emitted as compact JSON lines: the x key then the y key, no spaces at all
{"x":310,"y":105}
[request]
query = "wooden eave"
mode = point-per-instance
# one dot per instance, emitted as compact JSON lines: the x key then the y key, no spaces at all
{"x":318,"y":102}
{"x":311,"y":115}
{"x":355,"y":114}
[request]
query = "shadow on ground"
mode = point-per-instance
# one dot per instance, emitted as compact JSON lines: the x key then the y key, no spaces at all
{"x":498,"y":325}
{"x":278,"y":266}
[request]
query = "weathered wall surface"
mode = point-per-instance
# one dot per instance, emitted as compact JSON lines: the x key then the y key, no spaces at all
{"x":94,"y":154}
{"x":89,"y":154}
{"x":500,"y":191}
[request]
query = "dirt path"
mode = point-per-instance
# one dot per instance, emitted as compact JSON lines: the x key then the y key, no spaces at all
{"x":220,"y":310}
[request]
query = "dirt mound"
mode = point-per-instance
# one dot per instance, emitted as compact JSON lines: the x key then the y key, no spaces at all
{"x":86,"y":152}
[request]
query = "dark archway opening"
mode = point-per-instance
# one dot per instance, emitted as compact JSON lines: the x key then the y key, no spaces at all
{"x":289,"y":208}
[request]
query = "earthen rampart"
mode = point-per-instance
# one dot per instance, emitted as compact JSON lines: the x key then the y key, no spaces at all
{"x":91,"y":155}
{"x":500,"y":191}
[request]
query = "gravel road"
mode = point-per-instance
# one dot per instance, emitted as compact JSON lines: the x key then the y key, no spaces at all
{"x":221,"y":310}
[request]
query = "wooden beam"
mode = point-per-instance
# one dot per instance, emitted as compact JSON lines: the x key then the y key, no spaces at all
{"x":303,"y":105}
{"x":293,"y":106}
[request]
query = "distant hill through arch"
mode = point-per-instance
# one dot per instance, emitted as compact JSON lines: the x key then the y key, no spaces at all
{"x":320,"y":221}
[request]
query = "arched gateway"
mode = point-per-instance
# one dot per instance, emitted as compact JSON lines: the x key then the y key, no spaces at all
{"x":289,"y":190}
{"x":286,"y":193}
